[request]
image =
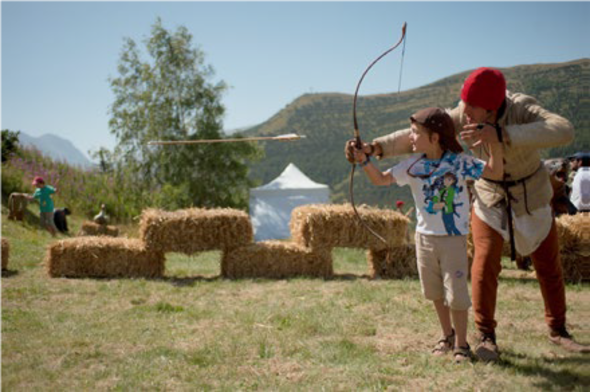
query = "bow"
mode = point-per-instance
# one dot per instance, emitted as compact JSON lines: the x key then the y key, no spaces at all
{"x":357,"y":135}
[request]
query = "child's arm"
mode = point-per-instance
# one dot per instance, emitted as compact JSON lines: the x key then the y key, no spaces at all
{"x":375,"y":175}
{"x":494,"y":168}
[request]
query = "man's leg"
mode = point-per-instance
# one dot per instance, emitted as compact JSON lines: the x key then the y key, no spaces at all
{"x":547,"y":264}
{"x":485,"y":270}
{"x":484,"y":285}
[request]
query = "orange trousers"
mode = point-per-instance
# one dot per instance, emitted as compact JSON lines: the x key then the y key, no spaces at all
{"x":486,"y":269}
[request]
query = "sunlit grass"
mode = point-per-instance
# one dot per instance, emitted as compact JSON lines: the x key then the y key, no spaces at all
{"x":193,"y":330}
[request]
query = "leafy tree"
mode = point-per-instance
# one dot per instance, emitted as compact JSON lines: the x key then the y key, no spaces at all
{"x":171,"y":97}
{"x":10,"y":143}
{"x":106,"y":160}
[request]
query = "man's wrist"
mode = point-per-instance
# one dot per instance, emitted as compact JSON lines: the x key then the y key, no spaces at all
{"x":366,"y":162}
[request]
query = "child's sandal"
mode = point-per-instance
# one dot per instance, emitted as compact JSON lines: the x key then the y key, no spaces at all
{"x":444,"y":345}
{"x":462,"y":354}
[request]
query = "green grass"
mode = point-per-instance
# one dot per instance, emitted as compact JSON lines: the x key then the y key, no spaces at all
{"x":193,"y":330}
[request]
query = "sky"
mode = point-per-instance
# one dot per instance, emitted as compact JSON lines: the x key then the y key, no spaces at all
{"x":57,"y":57}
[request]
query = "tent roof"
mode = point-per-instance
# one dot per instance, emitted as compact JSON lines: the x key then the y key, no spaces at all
{"x":291,"y":178}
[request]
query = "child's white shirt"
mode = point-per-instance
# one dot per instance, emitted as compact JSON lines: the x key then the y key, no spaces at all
{"x":441,"y":197}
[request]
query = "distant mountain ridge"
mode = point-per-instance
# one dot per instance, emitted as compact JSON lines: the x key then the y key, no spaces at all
{"x":326,"y":120}
{"x":57,"y":148}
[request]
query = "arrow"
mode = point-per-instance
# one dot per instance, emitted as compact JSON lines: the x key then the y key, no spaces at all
{"x":285,"y":138}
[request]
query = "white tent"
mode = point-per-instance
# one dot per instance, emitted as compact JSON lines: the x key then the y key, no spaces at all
{"x":271,"y":204}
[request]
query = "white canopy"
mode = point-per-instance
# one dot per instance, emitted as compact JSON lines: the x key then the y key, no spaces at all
{"x":271,"y":204}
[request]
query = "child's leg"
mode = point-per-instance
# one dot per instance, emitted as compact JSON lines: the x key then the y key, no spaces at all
{"x":460,"y":319}
{"x":47,"y":222}
{"x":444,"y":316}
{"x":455,"y":268}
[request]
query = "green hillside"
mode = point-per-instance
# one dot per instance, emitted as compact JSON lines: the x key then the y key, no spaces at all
{"x":326,"y":120}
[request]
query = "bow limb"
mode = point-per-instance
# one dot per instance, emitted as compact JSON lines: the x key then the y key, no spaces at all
{"x":357,"y":135}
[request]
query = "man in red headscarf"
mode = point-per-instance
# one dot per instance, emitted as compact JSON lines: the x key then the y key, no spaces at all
{"x":516,"y":209}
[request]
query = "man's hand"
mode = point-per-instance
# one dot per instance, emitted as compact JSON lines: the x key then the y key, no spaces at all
{"x":477,"y":134}
{"x":350,"y":150}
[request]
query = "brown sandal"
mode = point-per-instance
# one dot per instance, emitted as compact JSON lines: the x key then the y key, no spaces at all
{"x":444,"y":345}
{"x":462,"y":354}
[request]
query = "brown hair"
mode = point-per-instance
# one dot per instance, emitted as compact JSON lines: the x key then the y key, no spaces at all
{"x":437,"y":120}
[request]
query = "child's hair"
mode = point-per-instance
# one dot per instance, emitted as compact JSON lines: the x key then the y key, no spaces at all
{"x":437,"y":120}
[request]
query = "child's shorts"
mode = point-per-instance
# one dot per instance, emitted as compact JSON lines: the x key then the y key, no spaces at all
{"x":47,"y":220}
{"x":443,"y":267}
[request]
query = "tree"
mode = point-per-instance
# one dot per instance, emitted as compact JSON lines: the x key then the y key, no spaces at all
{"x":172,"y":97}
{"x":10,"y":143}
{"x":105,"y":159}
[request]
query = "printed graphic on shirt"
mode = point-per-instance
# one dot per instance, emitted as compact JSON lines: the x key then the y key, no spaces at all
{"x":440,"y":191}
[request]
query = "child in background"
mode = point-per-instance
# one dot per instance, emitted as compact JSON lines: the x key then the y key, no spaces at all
{"x":43,"y":194}
{"x":437,"y":179}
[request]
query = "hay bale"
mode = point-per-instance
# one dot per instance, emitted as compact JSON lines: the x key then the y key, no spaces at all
{"x":277,"y":260}
{"x":94,"y":229}
{"x":103,"y":257}
{"x":574,"y":232}
{"x":574,"y":242}
{"x":5,"y":253}
{"x":576,"y":267}
{"x":325,"y":226}
{"x":17,"y":204}
{"x":195,"y":230}
{"x":393,"y":263}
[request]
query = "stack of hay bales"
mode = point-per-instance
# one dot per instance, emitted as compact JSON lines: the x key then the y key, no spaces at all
{"x":316,"y":230}
{"x":574,"y":243}
{"x":323,"y":227}
{"x":103,"y":257}
{"x":94,"y":229}
{"x":5,"y":253}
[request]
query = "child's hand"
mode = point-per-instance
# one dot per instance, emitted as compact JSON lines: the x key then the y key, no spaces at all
{"x":438,"y":206}
{"x":359,"y":156}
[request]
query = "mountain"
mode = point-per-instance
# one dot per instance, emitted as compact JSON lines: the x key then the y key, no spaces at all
{"x":326,"y":120}
{"x":57,"y":148}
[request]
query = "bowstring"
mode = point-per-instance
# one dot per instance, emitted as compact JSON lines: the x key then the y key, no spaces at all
{"x":401,"y":67}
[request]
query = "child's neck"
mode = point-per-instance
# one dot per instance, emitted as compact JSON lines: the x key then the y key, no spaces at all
{"x":435,"y":153}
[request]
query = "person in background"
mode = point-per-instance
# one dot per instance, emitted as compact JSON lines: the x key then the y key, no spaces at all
{"x":558,"y":175}
{"x":575,"y":163}
{"x":580,"y":196}
{"x":437,"y":180}
{"x":101,"y":218}
{"x":516,"y":208}
{"x":60,"y":220}
{"x":43,"y":195}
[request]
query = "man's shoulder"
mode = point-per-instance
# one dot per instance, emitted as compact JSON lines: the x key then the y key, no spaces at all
{"x":520,"y":99}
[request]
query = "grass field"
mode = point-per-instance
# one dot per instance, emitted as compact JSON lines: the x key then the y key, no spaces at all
{"x":195,"y":331}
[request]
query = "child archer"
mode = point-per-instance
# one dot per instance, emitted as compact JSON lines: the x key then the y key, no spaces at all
{"x":43,"y":194}
{"x":438,"y":185}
